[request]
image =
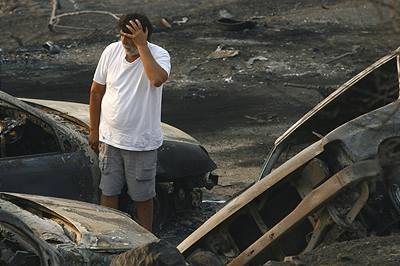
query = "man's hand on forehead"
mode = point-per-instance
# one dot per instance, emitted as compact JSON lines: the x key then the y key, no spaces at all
{"x":134,"y":26}
{"x":138,"y":35}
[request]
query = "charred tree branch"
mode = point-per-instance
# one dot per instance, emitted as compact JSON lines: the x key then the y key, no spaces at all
{"x":54,"y":18}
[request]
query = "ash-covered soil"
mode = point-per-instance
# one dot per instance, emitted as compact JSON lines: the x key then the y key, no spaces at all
{"x":298,"y":52}
{"x":361,"y":252}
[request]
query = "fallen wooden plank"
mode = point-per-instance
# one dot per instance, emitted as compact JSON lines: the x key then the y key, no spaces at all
{"x":314,"y":200}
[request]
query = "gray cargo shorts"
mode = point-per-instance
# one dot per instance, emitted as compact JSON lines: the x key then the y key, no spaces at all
{"x":136,"y":168}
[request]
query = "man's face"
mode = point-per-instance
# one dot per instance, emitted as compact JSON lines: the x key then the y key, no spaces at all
{"x":129,"y":46}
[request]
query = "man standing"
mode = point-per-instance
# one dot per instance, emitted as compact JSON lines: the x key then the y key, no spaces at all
{"x":125,"y":115}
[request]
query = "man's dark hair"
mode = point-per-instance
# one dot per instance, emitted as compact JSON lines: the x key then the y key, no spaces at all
{"x":144,"y":20}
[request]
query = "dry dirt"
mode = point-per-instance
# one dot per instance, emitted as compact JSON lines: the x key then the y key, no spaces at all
{"x":234,"y":108}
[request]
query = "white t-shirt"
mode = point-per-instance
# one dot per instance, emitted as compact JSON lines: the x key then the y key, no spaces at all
{"x":130,"y":116}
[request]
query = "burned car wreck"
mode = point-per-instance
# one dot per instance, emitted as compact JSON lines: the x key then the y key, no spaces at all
{"x":343,"y":184}
{"x":44,"y":151}
{"x":38,"y":230}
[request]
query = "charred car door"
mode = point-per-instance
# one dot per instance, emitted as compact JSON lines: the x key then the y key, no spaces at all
{"x":39,"y":155}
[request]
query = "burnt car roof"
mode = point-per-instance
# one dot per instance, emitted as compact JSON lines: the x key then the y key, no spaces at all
{"x":88,"y":226}
{"x":356,"y":91}
{"x":80,"y":112}
{"x":374,"y":87}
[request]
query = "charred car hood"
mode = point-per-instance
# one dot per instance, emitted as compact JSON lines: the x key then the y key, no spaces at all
{"x":79,"y":112}
{"x":85,"y":225}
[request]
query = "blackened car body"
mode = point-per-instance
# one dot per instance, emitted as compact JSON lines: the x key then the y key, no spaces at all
{"x":44,"y":151}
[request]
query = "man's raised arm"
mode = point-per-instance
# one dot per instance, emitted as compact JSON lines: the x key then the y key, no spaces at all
{"x":156,"y":74}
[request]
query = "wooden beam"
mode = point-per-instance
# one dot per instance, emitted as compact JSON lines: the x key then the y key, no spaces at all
{"x":347,"y":176}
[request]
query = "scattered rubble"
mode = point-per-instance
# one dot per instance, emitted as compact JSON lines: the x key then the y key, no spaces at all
{"x":228,"y":80}
{"x":251,"y":61}
{"x":222,"y":53}
{"x":219,"y":53}
{"x":165,"y":23}
{"x":230,"y":24}
{"x":51,"y":47}
{"x":184,"y":20}
{"x":223,"y":13}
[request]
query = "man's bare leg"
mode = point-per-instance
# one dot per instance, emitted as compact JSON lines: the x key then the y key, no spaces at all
{"x":144,"y":211}
{"x":109,"y":201}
